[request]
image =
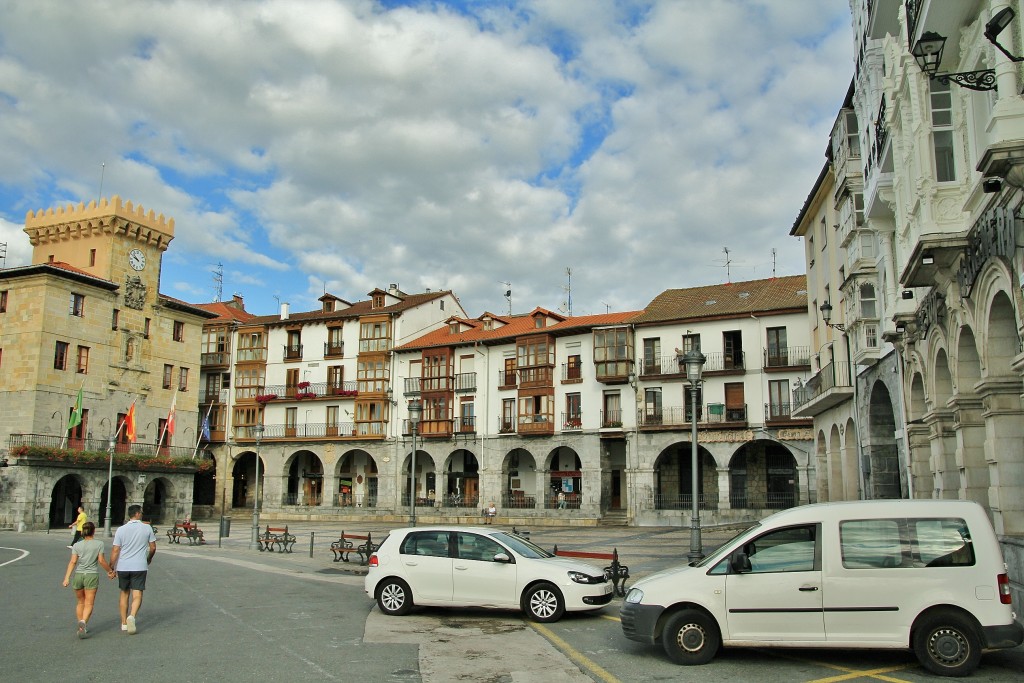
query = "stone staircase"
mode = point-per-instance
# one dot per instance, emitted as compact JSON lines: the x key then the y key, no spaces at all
{"x":614,"y":518}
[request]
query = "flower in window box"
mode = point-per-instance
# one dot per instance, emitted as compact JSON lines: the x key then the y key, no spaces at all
{"x":265,"y":398}
{"x":305,"y":394}
{"x":302,"y":385}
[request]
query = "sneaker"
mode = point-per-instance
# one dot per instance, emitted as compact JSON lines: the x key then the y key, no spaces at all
{"x":124,"y":627}
{"x":70,"y":547}
{"x":130,"y":626}
{"x":82,"y":630}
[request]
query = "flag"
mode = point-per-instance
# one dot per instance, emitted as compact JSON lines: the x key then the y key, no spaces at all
{"x":206,"y":427}
{"x":129,"y":424}
{"x":76,"y":414}
{"x":169,"y":427}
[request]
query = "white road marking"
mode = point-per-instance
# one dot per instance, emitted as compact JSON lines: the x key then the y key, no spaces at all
{"x":24,"y":554}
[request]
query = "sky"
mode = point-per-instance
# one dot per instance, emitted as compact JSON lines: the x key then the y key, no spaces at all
{"x":584,"y":154}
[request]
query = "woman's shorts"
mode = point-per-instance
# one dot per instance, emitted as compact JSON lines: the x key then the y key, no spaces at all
{"x":87,"y":581}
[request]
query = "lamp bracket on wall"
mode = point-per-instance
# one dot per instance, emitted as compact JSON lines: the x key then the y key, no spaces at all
{"x":982,"y":80}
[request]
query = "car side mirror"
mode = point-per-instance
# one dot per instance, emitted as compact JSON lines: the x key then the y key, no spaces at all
{"x":740,"y":563}
{"x":502,"y":557}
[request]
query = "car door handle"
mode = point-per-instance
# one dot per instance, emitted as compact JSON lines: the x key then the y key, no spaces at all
{"x":808,"y":589}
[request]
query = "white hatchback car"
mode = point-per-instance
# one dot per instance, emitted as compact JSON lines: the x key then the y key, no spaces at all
{"x":480,"y":567}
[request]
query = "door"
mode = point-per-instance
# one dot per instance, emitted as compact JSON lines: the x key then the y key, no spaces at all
{"x":427,"y":566}
{"x":780,"y":598}
{"x":291,"y":382}
{"x":735,"y":408}
{"x":616,"y":490}
{"x":478,"y":579}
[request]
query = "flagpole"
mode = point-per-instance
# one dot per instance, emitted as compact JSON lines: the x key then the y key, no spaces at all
{"x":206,"y":421}
{"x":160,"y":441}
{"x":76,"y":411}
{"x":110,"y":476}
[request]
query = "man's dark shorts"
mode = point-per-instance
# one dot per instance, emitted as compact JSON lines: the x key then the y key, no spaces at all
{"x":135,"y":581}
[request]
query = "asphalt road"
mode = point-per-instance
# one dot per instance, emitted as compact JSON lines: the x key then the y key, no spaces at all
{"x":226,"y":614}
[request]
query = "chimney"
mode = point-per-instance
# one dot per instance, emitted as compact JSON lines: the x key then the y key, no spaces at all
{"x":393,"y":287}
{"x":284,"y":310}
{"x":237,"y":302}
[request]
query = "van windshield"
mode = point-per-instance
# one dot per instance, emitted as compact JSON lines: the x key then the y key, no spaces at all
{"x":722,"y":549}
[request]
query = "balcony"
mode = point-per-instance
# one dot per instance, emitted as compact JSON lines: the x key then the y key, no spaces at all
{"x":306,"y":390}
{"x":572,"y":422}
{"x":534,"y":378}
{"x":506,"y":379}
{"x":611,"y":419}
{"x":711,"y":415}
{"x":218,"y":358}
{"x":207,"y":396}
{"x":464,"y":382}
{"x":310,"y":430}
{"x":99,"y":446}
{"x":334,"y":349}
{"x":715,"y":361}
{"x":571,"y":374}
{"x":780,"y":415}
{"x":431,"y":428}
{"x":412,"y":386}
{"x":506,"y":426}
{"x":787,"y":358}
{"x":293,"y":351}
{"x":537,"y":425}
{"x":830,"y":387}
{"x":466,"y":424}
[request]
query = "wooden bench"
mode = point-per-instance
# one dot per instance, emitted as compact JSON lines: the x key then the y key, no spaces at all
{"x":189,"y":531}
{"x":616,"y":572}
{"x":276,"y":538}
{"x":347,"y":544}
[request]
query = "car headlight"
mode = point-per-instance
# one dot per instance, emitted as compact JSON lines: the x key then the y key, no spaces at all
{"x":580,"y":577}
{"x":634,"y":595}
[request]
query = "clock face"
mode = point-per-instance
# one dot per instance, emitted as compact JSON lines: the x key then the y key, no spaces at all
{"x":136,"y":259}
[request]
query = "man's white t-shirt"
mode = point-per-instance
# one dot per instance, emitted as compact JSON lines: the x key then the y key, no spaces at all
{"x":134,"y":538}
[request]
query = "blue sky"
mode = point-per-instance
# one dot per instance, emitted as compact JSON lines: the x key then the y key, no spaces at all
{"x":343,"y":145}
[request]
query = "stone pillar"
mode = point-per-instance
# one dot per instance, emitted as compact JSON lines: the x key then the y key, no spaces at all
{"x":803,"y":485}
{"x":970,"y":449}
{"x":942,"y":461}
{"x":919,"y":447}
{"x":1004,"y":453}
{"x":724,"y":488}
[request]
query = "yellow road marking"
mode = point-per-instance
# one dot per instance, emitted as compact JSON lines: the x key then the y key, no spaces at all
{"x":848,"y":672}
{"x":575,"y":655}
{"x":610,"y":618}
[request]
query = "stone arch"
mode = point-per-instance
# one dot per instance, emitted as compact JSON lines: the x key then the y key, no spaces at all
{"x":968,"y":362}
{"x":821,"y":466}
{"x":158,"y":501}
{"x":565,"y":477}
{"x":423,"y":481}
{"x":356,"y":481}
{"x":522,"y":483}
{"x":835,"y":465}
{"x":118,"y":502}
{"x":460,"y":486}
{"x":884,"y":473}
{"x":245,"y":482}
{"x":918,"y":443}
{"x":673,"y":478}
{"x":304,"y":483}
{"x":204,"y":482}
{"x":65,"y":497}
{"x":851,"y":461}
{"x":762,"y":476}
{"x":1002,"y":340}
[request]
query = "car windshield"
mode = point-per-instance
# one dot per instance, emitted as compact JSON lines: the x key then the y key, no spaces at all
{"x":721,"y":550}
{"x":522,"y":546}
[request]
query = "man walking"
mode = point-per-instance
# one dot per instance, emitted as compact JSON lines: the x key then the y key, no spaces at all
{"x":81,"y":519}
{"x":134,"y":548}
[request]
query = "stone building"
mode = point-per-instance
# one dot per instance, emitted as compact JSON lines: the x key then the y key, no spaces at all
{"x":86,"y":317}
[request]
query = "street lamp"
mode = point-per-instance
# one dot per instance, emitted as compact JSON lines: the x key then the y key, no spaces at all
{"x":415,"y":413}
{"x":693,"y":360}
{"x":258,"y":431}
{"x":110,"y":481}
{"x":826,"y":317}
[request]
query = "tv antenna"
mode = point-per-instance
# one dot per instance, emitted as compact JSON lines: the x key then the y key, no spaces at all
{"x":3,"y":254}
{"x":218,"y":281}
{"x":567,"y":305}
{"x":508,"y":295}
{"x":728,"y":264}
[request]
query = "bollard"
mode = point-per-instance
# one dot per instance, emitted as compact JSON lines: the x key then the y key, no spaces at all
{"x":312,"y":535}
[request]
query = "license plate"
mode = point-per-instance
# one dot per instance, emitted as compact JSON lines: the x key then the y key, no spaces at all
{"x":608,"y":588}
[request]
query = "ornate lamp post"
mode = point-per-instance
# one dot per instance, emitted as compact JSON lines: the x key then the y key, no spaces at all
{"x":258,"y":431}
{"x":693,"y":361}
{"x":415,"y":413}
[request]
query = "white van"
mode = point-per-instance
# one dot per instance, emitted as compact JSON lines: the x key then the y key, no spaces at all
{"x":923,"y":574}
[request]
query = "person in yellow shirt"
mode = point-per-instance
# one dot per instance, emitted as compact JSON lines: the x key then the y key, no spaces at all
{"x":77,"y":525}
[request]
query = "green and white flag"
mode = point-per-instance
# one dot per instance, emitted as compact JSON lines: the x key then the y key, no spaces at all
{"x":76,"y":414}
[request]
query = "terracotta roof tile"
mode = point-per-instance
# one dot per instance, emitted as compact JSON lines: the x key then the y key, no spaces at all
{"x":728,"y":300}
{"x":359,"y":308}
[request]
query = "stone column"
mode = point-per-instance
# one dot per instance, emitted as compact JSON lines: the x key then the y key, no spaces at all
{"x":970,"y":448}
{"x":724,"y":488}
{"x":1004,"y":453}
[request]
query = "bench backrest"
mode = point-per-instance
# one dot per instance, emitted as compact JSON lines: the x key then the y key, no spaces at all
{"x":613,"y":555}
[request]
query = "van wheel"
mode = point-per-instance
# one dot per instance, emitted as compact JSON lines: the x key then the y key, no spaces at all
{"x":947,"y":644}
{"x":691,"y":637}
{"x":543,"y":603}
{"x":394,"y":597}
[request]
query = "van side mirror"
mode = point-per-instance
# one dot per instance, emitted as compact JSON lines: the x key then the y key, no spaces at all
{"x":740,"y":563}
{"x":502,"y":557}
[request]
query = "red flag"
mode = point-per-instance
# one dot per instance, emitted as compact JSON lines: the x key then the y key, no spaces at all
{"x":169,"y":428}
{"x":129,"y":424}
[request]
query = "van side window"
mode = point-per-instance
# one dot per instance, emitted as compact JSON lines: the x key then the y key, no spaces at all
{"x":428,"y":543}
{"x":871,"y":543}
{"x":783,"y":550}
{"x":905,"y":543}
{"x":944,"y":543}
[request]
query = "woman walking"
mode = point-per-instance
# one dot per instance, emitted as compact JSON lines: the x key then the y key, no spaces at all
{"x":86,"y":557}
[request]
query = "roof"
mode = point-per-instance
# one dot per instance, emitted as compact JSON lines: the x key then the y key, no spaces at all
{"x":226,"y":311}
{"x":59,"y":269}
{"x":185,"y":307}
{"x":736,"y":299}
{"x":516,"y":326}
{"x":356,"y":310}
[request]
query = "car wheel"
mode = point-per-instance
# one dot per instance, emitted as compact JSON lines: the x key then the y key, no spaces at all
{"x":544,"y":603}
{"x":394,"y":597}
{"x":947,"y":644}
{"x":691,"y":637}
